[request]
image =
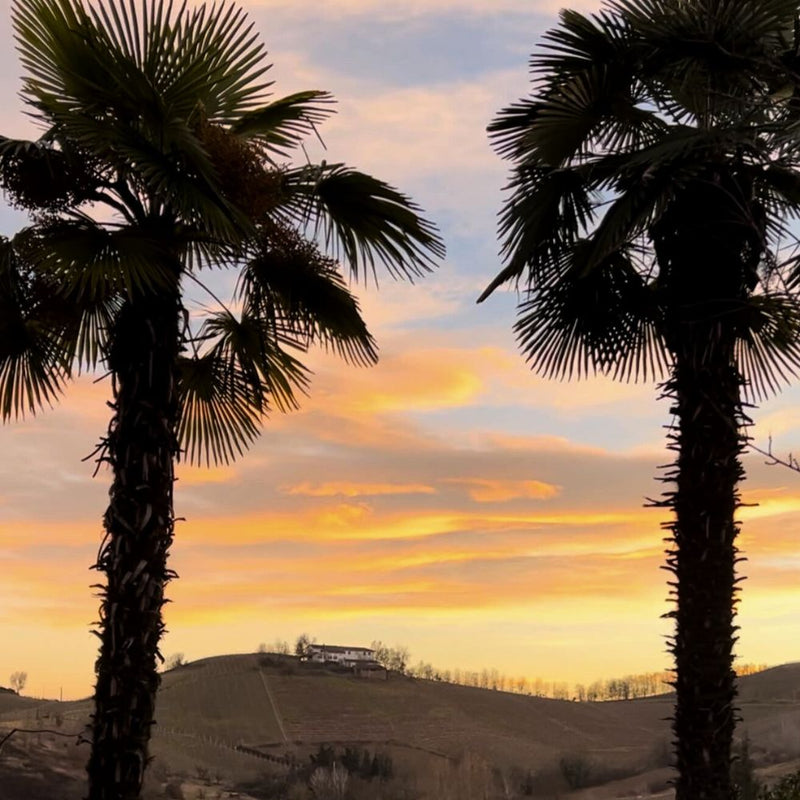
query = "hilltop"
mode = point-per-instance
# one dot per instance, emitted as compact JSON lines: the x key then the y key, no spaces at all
{"x":229,"y":721}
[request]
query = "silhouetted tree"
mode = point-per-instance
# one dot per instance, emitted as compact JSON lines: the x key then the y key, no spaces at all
{"x":18,"y":681}
{"x":159,"y":115}
{"x":393,"y":658}
{"x":654,"y":169}
{"x":302,"y":644}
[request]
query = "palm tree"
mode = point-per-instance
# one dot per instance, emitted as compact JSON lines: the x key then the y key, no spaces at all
{"x":646,"y":223}
{"x":160,"y":158}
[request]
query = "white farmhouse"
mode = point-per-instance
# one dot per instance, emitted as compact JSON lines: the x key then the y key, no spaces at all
{"x":334,"y":654}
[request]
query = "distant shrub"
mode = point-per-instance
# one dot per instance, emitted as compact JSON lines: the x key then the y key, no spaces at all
{"x":273,"y":787}
{"x":577,"y":770}
{"x":352,"y":759}
{"x":787,"y":788}
{"x":381,"y":767}
{"x":329,"y":784}
{"x":743,"y":775}
{"x":324,"y":757}
{"x":355,"y":761}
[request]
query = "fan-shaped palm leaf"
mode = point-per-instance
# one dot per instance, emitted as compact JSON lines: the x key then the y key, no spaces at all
{"x":91,"y":261}
{"x":288,"y":277}
{"x":253,"y":346}
{"x":283,"y":124}
{"x":362,"y":220}
{"x":220,"y":410}
{"x":34,"y":360}
{"x":586,"y":321}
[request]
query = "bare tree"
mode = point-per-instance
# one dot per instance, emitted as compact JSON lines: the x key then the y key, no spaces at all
{"x":18,"y":681}
{"x":174,"y":661}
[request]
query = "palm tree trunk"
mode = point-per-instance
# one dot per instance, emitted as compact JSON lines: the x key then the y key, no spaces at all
{"x":141,"y":447}
{"x":706,"y":388}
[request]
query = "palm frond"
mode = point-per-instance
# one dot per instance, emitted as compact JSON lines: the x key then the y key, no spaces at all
{"x":768,"y":348}
{"x":710,"y":56}
{"x":104,"y":55}
{"x":284,"y":123}
{"x":600,"y":321}
{"x":169,"y":166}
{"x":89,"y":335}
{"x":290,"y":280}
{"x":362,"y":220}
{"x":129,"y":87}
{"x":219,"y":414}
{"x":34,"y":351}
{"x":546,"y":213}
{"x":90,"y":262}
{"x":510,"y":132}
{"x":253,"y":346}
{"x":588,"y":97}
{"x":580,"y":43}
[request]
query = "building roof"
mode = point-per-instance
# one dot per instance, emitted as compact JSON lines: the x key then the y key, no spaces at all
{"x":335,"y":648}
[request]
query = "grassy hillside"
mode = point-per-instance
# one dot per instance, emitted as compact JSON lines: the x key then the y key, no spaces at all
{"x":236,"y":717}
{"x":10,"y":702}
{"x":773,"y":685}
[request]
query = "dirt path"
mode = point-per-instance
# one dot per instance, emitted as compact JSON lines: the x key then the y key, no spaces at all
{"x":272,"y":703}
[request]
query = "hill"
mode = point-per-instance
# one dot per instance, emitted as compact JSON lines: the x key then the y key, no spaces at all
{"x":245,"y":719}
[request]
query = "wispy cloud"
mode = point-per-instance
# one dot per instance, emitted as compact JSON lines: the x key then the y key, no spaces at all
{"x":487,"y":490}
{"x":338,"y":488}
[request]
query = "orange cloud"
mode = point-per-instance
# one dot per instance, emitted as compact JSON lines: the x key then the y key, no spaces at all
{"x":419,"y":380}
{"x":775,"y":423}
{"x":341,"y":488}
{"x":528,"y":582}
{"x":770,"y":507}
{"x":484,"y":490}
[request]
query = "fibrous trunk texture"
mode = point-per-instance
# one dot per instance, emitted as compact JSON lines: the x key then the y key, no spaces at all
{"x":708,"y":244}
{"x":706,"y":390}
{"x":140,"y":448}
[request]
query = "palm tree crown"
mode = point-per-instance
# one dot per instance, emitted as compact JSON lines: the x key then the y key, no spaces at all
{"x":636,"y":106}
{"x":163,"y":117}
{"x":648,"y":223}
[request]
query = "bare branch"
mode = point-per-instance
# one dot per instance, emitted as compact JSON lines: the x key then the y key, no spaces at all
{"x":77,"y":736}
{"x":790,"y":462}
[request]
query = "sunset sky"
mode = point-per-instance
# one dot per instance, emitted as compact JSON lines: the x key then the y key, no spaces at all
{"x":447,"y":499}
